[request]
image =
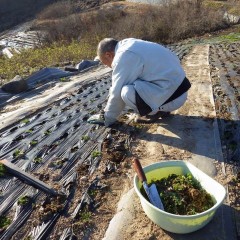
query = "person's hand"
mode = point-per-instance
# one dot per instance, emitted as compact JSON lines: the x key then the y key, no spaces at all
{"x":96,"y":119}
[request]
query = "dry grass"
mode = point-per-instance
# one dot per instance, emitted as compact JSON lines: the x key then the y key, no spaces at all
{"x":168,"y":23}
{"x":72,"y":37}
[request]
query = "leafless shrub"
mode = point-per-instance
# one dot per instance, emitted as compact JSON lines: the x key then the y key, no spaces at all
{"x":169,"y":23}
{"x":56,"y":10}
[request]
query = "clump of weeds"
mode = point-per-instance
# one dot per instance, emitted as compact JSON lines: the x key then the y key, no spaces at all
{"x":96,"y":154}
{"x":23,"y":200}
{"x":17,"y":153}
{"x":33,"y":142}
{"x":2,"y":170}
{"x":48,"y":132}
{"x":25,"y":121}
{"x":37,"y":160}
{"x":4,"y":222}
{"x":85,"y":138}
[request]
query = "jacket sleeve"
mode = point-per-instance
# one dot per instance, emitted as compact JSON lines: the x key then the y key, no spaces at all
{"x":127,"y":67}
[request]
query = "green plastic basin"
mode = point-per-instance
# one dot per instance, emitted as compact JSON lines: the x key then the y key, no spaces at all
{"x":179,"y":223}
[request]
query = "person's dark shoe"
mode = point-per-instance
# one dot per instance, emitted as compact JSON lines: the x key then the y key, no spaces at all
{"x":153,"y":118}
{"x":158,"y":115}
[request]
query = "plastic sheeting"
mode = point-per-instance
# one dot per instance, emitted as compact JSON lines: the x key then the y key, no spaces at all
{"x":54,"y":140}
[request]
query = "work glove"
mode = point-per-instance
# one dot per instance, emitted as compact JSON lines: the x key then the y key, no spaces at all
{"x":96,"y":119}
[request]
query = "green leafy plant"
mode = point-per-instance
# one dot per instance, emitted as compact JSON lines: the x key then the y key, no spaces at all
{"x":48,"y":132}
{"x":26,"y":121}
{"x":23,"y":200}
{"x":37,"y":160}
{"x":33,"y":142}
{"x":182,"y":195}
{"x":18,"y":153}
{"x":85,"y":138}
{"x":2,"y":170}
{"x":29,"y":131}
{"x":93,"y":112}
{"x":96,"y":154}
{"x":85,"y":215}
{"x":4,"y":222}
{"x":63,"y":79}
{"x":92,"y":192}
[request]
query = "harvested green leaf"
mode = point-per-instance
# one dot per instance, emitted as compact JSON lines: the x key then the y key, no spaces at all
{"x":182,"y":195}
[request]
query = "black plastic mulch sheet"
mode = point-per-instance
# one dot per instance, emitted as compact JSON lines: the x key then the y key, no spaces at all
{"x":225,"y":72}
{"x":57,"y":137}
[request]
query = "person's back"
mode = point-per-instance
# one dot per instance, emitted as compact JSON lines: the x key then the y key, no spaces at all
{"x":159,"y":62}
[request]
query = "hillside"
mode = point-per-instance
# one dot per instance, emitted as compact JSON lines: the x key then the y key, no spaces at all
{"x":14,"y":12}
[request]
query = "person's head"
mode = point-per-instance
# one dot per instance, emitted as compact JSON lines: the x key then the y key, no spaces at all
{"x":106,"y":50}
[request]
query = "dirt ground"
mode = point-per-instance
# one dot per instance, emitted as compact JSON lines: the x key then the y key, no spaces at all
{"x":176,"y":137}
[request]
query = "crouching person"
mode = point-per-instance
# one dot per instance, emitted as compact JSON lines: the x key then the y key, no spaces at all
{"x":146,"y":77}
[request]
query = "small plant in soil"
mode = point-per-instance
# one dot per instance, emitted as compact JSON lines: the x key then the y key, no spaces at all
{"x":182,"y":195}
{"x":2,"y":170}
{"x":4,"y":222}
{"x":63,"y":79}
{"x":29,"y":131}
{"x":33,"y":142}
{"x":96,"y":154}
{"x":26,"y":121}
{"x":92,"y":192}
{"x":85,"y":216}
{"x":37,"y":160}
{"x":18,"y":153}
{"x":93,"y":112}
{"x":23,"y":200}
{"x":48,"y":132}
{"x":85,"y":138}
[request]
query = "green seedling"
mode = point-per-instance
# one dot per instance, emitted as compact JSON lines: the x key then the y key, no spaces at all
{"x":2,"y":170}
{"x":85,"y":138}
{"x":93,"y":112}
{"x":29,"y":131}
{"x":26,"y":121}
{"x":4,"y":222}
{"x":18,"y":153}
{"x":58,"y":163}
{"x":48,"y":132}
{"x":33,"y":142}
{"x":63,"y":79}
{"x":92,"y":192}
{"x":96,"y":154}
{"x":85,"y":216}
{"x":23,"y":200}
{"x":138,"y":126}
{"x":37,"y":160}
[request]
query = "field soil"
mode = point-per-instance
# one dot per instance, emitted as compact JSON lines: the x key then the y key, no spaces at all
{"x":203,"y":132}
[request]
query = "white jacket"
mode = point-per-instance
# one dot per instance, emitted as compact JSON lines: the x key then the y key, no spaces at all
{"x":154,"y":71}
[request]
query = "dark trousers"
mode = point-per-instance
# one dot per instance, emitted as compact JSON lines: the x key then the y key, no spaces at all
{"x":144,"y":109}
